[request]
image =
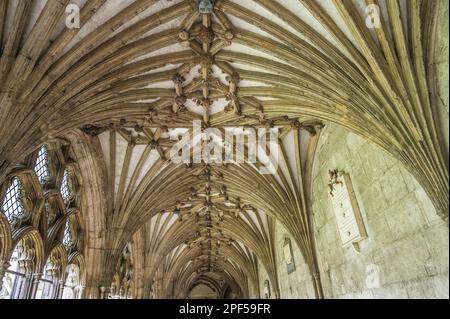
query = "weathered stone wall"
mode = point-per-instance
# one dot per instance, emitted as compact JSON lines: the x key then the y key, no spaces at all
{"x":252,"y":292}
{"x":442,"y":65}
{"x":407,"y":246}
{"x":297,"y":284}
{"x":263,"y":276}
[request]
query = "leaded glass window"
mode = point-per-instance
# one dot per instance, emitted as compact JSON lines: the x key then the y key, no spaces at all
{"x":65,"y":187}
{"x":41,"y":167}
{"x":67,"y":238}
{"x":12,"y":204}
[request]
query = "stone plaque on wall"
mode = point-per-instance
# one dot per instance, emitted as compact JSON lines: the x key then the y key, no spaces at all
{"x":288,"y":256}
{"x":348,"y":216}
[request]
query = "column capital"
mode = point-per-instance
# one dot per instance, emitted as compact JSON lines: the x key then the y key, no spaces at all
{"x":36,"y":277}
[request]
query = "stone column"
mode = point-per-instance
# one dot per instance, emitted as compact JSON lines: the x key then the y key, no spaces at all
{"x":34,"y":284}
{"x":61,"y":285}
{"x":25,"y":287}
{"x":54,"y":287}
{"x":317,"y":285}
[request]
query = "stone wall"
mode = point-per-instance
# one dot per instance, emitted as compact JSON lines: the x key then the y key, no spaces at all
{"x":442,"y":66}
{"x":262,"y":274}
{"x":406,"y":252}
{"x":297,"y":284}
{"x":252,"y":291}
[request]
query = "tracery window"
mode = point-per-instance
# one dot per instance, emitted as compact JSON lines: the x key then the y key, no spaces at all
{"x":12,"y":204}
{"x":45,"y":286}
{"x":66,"y":191}
{"x":123,"y":278}
{"x":41,"y":167}
{"x":67,"y":238}
{"x":9,"y":279}
{"x":50,"y":283}
{"x":22,"y":263}
{"x":72,"y":284}
{"x":30,"y":199}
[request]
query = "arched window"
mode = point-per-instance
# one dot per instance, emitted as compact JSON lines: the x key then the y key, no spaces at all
{"x":267,"y":292}
{"x":28,"y":202}
{"x":12,"y":204}
{"x":41,"y":167}
{"x":9,"y":279}
{"x":50,"y":283}
{"x":22,"y":265}
{"x":68,"y":238}
{"x":73,"y":282}
{"x":66,"y":190}
{"x":45,"y":286}
{"x":123,"y":278}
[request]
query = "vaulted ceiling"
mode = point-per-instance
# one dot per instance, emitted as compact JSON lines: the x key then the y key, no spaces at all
{"x":122,"y":85}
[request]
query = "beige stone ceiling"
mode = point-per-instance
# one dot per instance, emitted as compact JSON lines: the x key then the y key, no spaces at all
{"x":139,"y":70}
